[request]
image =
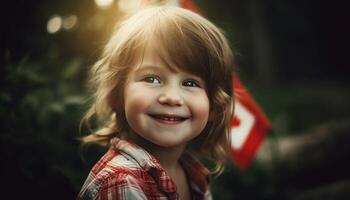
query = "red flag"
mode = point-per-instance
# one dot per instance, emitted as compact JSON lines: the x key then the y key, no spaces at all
{"x":249,"y":125}
{"x":187,"y":4}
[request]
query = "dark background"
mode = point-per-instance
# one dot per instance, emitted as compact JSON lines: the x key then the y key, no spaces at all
{"x":292,"y":55}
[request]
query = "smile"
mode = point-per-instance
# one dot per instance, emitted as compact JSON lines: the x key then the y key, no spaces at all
{"x":168,"y":119}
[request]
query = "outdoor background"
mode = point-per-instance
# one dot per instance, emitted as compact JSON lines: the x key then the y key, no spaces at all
{"x":293,"y":55}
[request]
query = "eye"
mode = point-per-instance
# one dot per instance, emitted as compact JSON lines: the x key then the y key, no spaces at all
{"x":191,"y":83}
{"x":151,"y":79}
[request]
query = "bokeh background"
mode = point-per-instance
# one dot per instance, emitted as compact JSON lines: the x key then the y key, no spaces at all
{"x":293,"y":55}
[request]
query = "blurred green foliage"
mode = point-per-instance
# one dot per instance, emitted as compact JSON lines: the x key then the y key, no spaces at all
{"x":41,"y":106}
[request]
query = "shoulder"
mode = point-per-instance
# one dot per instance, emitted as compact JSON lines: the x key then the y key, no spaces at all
{"x":114,"y":183}
{"x":120,"y":178}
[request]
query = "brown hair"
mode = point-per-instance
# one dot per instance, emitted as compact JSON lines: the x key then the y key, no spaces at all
{"x":186,"y":40}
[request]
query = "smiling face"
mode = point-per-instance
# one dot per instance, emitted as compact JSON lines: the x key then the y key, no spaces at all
{"x":164,"y":106}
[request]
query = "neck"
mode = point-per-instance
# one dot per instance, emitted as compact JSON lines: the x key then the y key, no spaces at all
{"x":167,"y":156}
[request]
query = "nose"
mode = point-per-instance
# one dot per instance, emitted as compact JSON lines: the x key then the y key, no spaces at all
{"x":171,"y":96}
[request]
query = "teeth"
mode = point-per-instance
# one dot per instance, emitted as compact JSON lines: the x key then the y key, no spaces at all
{"x":168,"y":118}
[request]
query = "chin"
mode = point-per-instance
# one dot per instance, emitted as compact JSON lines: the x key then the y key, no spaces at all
{"x":169,"y":144}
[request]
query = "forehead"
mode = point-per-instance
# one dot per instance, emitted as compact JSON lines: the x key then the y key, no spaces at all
{"x":164,"y":54}
{"x":173,"y":42}
{"x":156,"y":56}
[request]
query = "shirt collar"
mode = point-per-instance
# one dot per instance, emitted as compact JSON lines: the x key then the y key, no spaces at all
{"x":147,"y":162}
{"x":197,"y":174}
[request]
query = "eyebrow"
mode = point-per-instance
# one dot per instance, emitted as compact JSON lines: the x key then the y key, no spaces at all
{"x":160,"y":69}
{"x":146,"y":67}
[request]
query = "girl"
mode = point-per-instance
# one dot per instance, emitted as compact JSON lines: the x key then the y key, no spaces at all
{"x":163,"y":94}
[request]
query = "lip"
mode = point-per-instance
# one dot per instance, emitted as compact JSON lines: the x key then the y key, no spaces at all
{"x":168,"y":119}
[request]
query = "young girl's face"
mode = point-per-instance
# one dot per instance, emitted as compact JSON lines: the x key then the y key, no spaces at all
{"x":164,"y":106}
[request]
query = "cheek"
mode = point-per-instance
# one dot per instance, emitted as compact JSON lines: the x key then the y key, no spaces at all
{"x":200,"y":108}
{"x":137,"y":100}
{"x":133,"y":100}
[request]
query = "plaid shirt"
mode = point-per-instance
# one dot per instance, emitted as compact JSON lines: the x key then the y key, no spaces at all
{"x":127,"y":171}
